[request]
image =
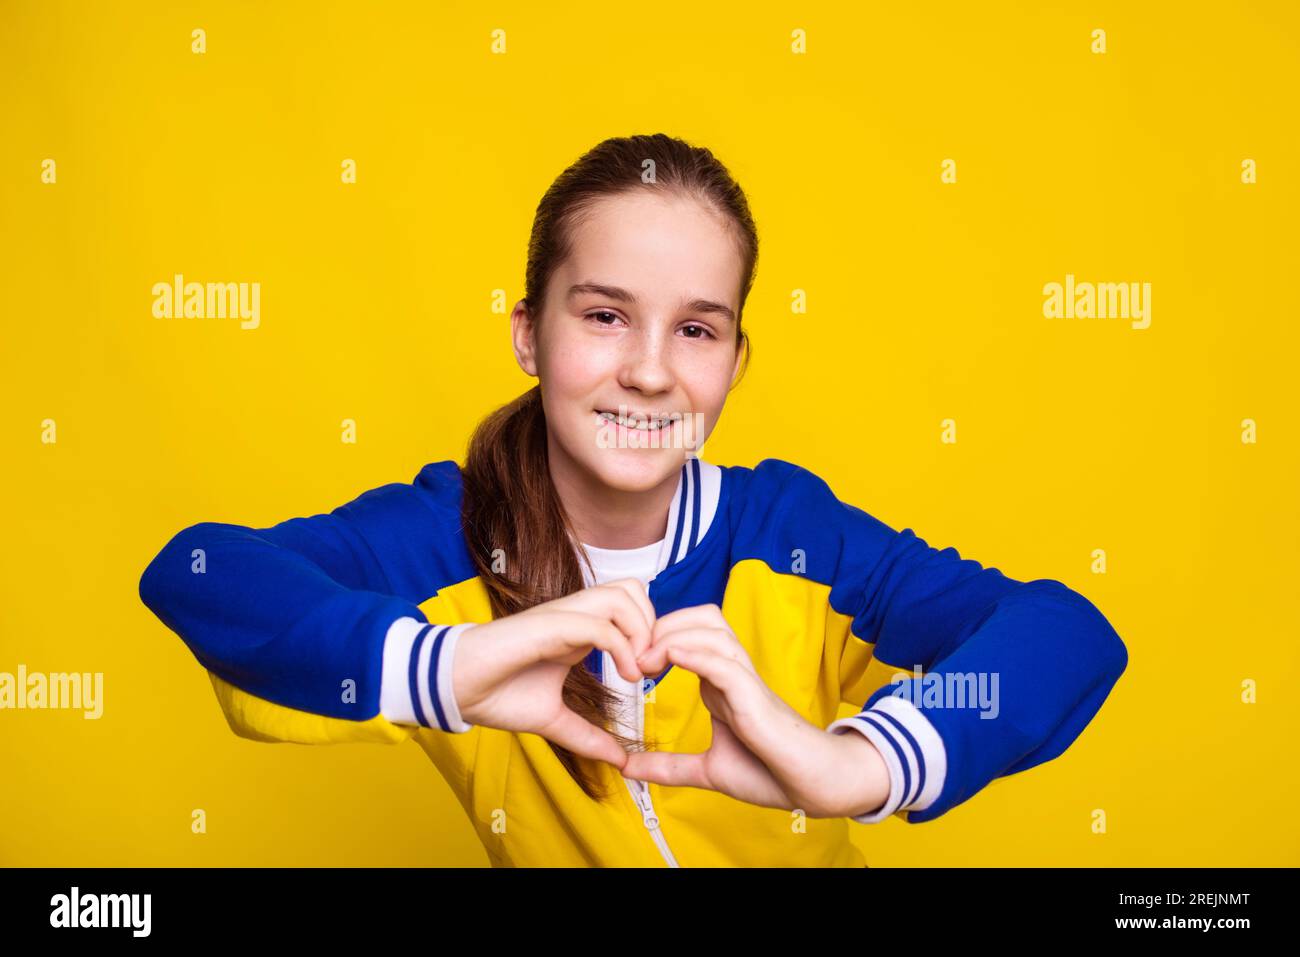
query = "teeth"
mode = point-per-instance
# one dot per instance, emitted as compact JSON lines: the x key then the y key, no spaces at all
{"x":645,"y":425}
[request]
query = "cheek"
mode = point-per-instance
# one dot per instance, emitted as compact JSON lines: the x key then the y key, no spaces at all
{"x":572,"y":370}
{"x":711,"y":377}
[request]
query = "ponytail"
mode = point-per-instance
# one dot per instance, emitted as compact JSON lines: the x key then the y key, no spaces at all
{"x":510,"y":509}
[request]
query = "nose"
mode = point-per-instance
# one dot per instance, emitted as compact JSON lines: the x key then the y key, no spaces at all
{"x":647,"y":363}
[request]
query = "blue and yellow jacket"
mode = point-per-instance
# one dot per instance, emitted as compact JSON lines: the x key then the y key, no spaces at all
{"x":292,"y":623}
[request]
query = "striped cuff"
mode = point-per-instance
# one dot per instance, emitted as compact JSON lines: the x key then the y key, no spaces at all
{"x":912,"y":749}
{"x":416,"y":687}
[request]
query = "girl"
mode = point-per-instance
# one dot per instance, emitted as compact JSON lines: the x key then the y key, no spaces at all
{"x":616,"y":652}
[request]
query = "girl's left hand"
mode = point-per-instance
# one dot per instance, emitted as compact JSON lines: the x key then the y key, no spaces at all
{"x":762,"y":752}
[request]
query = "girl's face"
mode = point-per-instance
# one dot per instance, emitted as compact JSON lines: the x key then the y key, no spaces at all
{"x":641,"y":318}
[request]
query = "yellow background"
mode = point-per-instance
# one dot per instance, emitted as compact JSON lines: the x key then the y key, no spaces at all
{"x":925,"y":303}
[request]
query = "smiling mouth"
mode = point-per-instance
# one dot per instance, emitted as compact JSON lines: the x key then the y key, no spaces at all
{"x":643,"y":423}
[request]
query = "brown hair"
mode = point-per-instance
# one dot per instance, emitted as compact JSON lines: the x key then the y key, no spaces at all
{"x":509,"y":500}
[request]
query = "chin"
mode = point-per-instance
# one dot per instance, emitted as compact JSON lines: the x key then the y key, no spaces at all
{"x":635,"y":470}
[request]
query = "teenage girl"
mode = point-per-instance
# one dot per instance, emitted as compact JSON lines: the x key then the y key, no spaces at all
{"x":615,"y":652}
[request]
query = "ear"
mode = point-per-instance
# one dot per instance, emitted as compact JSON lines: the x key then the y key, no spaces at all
{"x":523,"y":333}
{"x":740,"y":355}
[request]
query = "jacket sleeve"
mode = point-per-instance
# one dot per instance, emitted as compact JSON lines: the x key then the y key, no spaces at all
{"x":997,"y":675}
{"x":310,"y":629}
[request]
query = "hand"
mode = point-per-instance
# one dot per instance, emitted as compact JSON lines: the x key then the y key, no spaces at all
{"x":509,"y":673}
{"x":763,"y":752}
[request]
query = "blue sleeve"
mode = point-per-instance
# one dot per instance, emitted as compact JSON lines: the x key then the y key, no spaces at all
{"x":1010,"y":672}
{"x":291,"y":620}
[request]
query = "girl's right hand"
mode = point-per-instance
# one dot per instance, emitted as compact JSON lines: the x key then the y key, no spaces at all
{"x":509,"y":673}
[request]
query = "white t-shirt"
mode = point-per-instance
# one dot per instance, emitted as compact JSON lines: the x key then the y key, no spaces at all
{"x":614,"y":563}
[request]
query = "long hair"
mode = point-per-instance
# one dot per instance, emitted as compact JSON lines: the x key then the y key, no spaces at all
{"x":510,"y":503}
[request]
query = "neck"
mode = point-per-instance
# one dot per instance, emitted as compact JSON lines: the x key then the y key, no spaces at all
{"x":607,"y":517}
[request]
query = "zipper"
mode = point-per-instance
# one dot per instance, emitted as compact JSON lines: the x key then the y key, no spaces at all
{"x":640,"y":790}
{"x":641,"y":795}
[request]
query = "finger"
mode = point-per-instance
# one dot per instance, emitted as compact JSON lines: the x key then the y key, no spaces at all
{"x":695,"y":616}
{"x":638,"y":591}
{"x":725,"y":674}
{"x":719,"y":641}
{"x":566,"y":633}
{"x":667,"y":767}
{"x":570,"y":730}
{"x":715,"y":640}
{"x":623,"y":602}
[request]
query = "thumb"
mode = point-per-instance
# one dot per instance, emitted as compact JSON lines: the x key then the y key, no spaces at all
{"x":572,"y":731}
{"x":667,"y":767}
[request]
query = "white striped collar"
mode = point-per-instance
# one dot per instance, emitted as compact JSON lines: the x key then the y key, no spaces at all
{"x":691,"y":513}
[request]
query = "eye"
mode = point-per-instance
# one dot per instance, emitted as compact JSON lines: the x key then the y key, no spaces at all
{"x":702,"y":329}
{"x":602,"y":312}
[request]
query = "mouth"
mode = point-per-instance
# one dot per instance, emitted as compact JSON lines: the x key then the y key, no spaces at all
{"x":635,"y":421}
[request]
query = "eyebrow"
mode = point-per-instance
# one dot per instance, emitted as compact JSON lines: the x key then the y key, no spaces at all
{"x":622,"y":295}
